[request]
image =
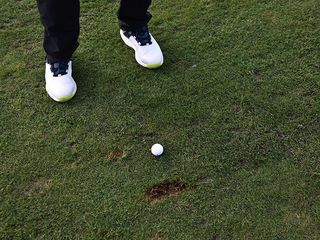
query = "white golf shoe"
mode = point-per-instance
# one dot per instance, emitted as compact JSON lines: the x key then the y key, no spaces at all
{"x":59,"y":82}
{"x":147,"y":51}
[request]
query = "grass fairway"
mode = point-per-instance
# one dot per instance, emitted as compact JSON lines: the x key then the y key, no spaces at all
{"x":236,"y":106}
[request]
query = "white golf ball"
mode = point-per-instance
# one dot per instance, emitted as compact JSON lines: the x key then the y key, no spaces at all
{"x":157,"y":149}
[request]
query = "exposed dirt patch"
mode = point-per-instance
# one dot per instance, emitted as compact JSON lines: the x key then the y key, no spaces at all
{"x":164,"y":189}
{"x":117,"y":154}
{"x":37,"y":186}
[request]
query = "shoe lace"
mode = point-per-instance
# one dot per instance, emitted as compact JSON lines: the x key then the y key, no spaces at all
{"x":59,"y":68}
{"x":142,"y":36}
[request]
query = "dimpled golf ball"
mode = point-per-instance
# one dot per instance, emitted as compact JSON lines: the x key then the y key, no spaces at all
{"x":157,"y":149}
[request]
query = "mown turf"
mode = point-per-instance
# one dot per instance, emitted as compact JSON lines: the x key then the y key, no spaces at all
{"x":236,"y":106}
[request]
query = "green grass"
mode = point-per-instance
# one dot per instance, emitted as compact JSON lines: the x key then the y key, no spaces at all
{"x":236,"y":106}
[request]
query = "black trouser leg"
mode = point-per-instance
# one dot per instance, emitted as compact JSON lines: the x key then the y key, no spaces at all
{"x":133,"y":13}
{"x":60,"y":19}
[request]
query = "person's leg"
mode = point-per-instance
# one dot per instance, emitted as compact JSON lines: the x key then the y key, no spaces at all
{"x":60,"y":19}
{"x":133,"y":14}
{"x":133,"y":18}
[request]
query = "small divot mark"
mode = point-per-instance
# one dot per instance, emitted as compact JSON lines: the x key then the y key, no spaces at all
{"x":37,"y":186}
{"x":117,"y":154}
{"x":164,"y":189}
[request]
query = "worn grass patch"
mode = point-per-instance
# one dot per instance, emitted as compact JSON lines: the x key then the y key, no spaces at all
{"x":37,"y":186}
